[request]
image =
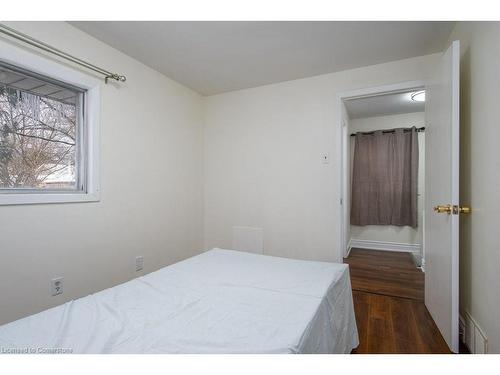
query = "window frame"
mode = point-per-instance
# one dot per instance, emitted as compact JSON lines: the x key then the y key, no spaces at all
{"x":88,"y":145}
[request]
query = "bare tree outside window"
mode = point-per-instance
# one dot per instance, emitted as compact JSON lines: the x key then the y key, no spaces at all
{"x":38,"y":137}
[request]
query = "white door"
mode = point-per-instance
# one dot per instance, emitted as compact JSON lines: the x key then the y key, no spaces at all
{"x":442,"y":189}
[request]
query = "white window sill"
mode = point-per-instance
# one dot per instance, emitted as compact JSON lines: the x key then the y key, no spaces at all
{"x":43,"y":198}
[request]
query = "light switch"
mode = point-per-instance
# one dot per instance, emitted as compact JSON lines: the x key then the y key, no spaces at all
{"x":325,"y":158}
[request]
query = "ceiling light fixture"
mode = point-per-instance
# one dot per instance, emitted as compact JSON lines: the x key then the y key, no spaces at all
{"x":418,"y":96}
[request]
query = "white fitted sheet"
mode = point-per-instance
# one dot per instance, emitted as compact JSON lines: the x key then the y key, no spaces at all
{"x":221,"y":301}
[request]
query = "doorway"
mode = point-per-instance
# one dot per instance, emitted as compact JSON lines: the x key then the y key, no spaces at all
{"x":387,"y":260}
{"x":440,"y":245}
{"x":368,"y":119}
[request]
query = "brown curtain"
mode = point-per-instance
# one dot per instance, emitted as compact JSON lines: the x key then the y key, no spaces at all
{"x":385,"y":178}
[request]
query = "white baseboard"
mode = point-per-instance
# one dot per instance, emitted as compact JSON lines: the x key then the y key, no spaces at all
{"x":385,"y":246}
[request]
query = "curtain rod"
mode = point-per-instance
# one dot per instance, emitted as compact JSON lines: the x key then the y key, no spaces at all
{"x":419,"y":130}
{"x":47,"y":48}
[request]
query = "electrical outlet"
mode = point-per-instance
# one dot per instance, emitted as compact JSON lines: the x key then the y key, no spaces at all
{"x":139,"y":263}
{"x":56,"y":286}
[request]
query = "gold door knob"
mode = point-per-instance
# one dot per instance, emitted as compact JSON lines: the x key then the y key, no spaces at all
{"x":464,"y":210}
{"x":443,"y":208}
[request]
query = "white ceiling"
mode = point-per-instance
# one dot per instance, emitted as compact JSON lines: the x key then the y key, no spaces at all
{"x":383,"y":105}
{"x":215,"y":57}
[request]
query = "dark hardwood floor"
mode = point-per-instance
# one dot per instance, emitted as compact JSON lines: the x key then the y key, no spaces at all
{"x":388,"y":292}
{"x":386,"y":272}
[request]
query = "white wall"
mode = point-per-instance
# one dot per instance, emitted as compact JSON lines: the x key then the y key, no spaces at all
{"x":392,"y":233}
{"x":151,"y":198}
{"x":480,"y":174}
{"x":262,"y":159}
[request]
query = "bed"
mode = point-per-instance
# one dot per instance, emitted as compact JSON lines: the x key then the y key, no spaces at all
{"x":221,"y":301}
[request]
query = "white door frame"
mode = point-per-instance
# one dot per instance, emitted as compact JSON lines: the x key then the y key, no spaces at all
{"x":344,"y":138}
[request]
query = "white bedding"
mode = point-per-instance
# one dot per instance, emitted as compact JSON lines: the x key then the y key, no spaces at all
{"x":221,"y":301}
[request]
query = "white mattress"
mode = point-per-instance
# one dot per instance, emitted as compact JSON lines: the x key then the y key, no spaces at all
{"x":221,"y":301}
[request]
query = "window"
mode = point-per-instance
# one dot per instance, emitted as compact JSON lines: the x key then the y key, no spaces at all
{"x":48,"y":131}
{"x":40,"y":133}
